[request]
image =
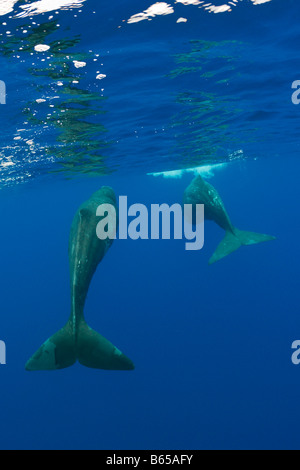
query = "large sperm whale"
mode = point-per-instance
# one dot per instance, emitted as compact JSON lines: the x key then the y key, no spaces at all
{"x":76,"y":340}
{"x":201,"y":192}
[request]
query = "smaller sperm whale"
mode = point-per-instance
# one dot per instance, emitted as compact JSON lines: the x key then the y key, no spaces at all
{"x":201,"y":192}
{"x":76,"y":340}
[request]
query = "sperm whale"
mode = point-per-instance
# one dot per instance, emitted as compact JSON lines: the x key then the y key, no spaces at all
{"x":201,"y":192}
{"x":76,"y":340}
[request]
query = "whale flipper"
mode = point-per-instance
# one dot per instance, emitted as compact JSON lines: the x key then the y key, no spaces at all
{"x":90,"y":349}
{"x":233,"y":240}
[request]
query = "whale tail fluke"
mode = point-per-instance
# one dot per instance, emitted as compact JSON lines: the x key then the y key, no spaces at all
{"x":91,"y":349}
{"x":58,"y":352}
{"x":96,"y":352}
{"x":234,"y":240}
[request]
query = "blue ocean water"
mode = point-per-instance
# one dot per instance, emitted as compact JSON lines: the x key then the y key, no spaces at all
{"x":112,"y":99}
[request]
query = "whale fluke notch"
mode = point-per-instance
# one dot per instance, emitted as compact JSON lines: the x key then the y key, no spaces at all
{"x":234,"y":240}
{"x":90,"y":349}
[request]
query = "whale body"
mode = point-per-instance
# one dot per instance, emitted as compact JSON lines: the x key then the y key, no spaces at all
{"x":201,"y":192}
{"x":76,"y":340}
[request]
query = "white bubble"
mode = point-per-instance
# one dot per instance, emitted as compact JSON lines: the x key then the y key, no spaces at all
{"x":78,"y":64}
{"x":41,"y":48}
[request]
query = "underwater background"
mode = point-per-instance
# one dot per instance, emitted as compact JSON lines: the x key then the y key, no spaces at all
{"x":134,"y":95}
